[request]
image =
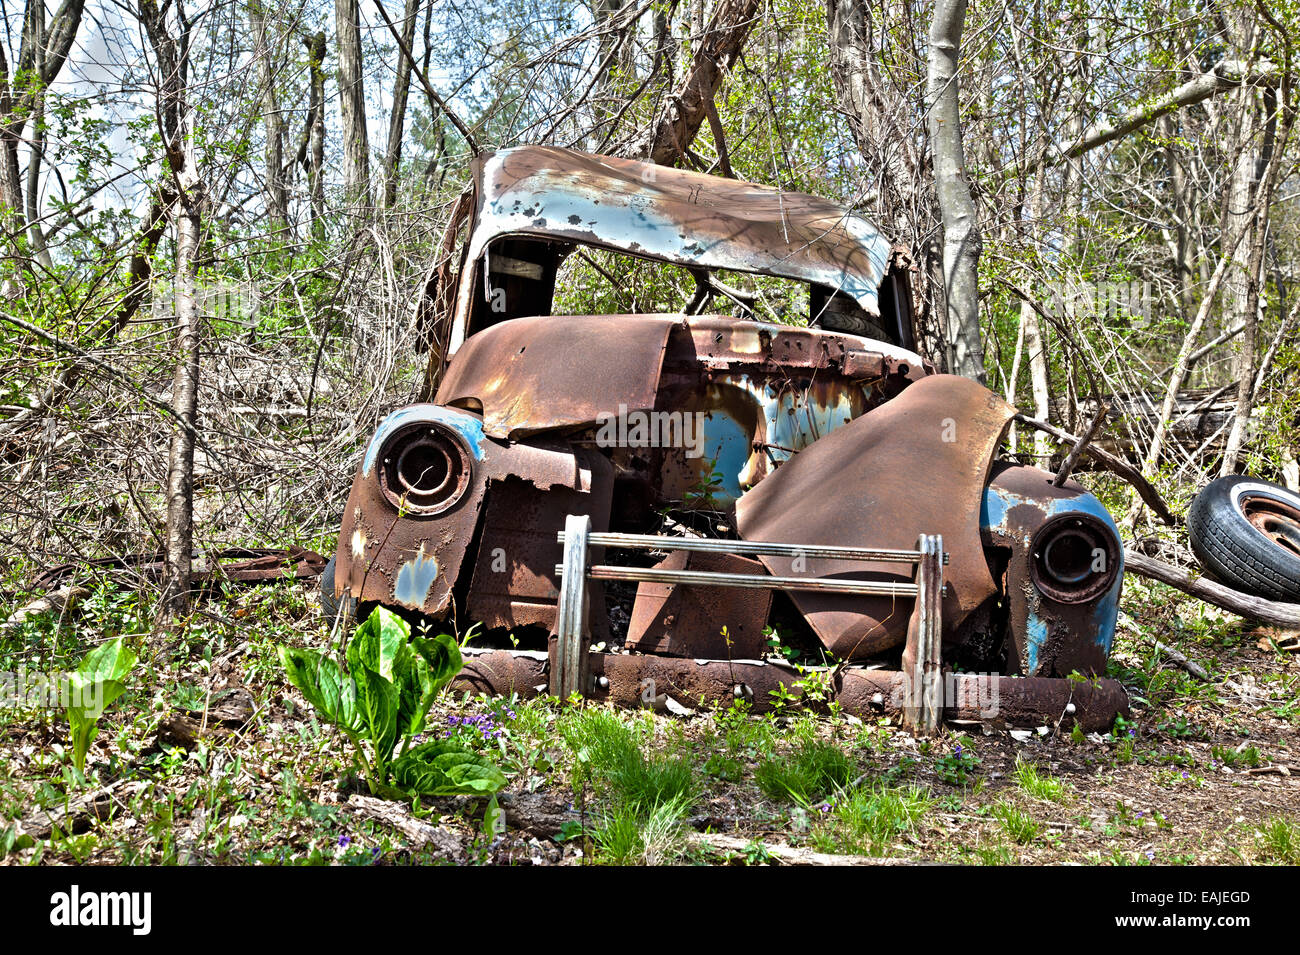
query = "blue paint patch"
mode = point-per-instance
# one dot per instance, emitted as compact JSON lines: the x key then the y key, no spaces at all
{"x":1035,"y":639}
{"x":468,"y":428}
{"x":727,"y":444}
{"x":415,"y":579}
{"x":993,"y":509}
{"x":997,"y":502}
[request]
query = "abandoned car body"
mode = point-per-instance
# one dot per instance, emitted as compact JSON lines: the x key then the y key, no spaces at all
{"x":716,"y":426}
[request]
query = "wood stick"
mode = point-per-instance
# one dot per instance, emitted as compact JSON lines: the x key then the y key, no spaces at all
{"x":1273,"y":612}
{"x":1191,"y":666}
{"x":1112,"y":463}
{"x":1076,"y":452}
{"x":790,"y":855}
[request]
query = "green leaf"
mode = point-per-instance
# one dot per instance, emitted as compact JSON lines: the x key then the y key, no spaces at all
{"x":494,"y":819}
{"x":416,"y":692}
{"x":377,"y":705}
{"x":340,"y":692}
{"x":442,"y":655}
{"x":446,"y":768}
{"x":302,"y":667}
{"x":111,"y":660}
{"x":379,"y":641}
{"x":81,"y":731}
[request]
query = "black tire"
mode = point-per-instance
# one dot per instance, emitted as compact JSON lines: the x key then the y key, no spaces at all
{"x":329,"y":604}
{"x":1246,"y":534}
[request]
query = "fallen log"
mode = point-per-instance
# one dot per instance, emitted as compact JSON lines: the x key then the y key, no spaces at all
{"x":1272,"y":612}
{"x":82,"y":812}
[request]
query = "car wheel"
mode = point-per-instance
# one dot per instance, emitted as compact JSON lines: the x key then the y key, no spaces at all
{"x":1246,"y":534}
{"x":330,"y":604}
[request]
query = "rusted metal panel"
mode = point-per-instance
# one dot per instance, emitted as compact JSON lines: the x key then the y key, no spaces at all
{"x":638,"y":681}
{"x":678,"y":216}
{"x":746,"y":395}
{"x":1058,"y":626}
{"x":412,"y":557}
{"x":915,"y":465}
{"x":534,"y":374}
{"x":686,"y":621}
{"x":407,"y":558}
{"x":501,"y":673}
{"x":514,"y":582}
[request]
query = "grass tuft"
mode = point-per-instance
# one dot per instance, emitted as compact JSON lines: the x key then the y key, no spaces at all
{"x":814,"y":769}
{"x":1037,"y":784}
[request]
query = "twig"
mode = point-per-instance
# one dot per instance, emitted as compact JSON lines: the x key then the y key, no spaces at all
{"x":1081,"y":445}
{"x":424,"y":81}
{"x":1191,"y":666}
{"x":1112,"y":463}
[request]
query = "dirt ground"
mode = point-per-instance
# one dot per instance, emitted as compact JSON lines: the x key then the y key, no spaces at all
{"x":213,"y":758}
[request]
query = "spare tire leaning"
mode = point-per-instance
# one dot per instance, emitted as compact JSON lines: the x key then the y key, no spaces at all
{"x":1246,"y":534}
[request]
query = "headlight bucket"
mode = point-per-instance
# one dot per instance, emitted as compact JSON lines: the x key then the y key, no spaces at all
{"x":1075,"y":558}
{"x":424,"y":468}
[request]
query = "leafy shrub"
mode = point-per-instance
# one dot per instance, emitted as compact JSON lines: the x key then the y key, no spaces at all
{"x":391,"y":681}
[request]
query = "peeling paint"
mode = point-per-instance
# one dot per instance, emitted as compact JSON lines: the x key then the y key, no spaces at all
{"x":677,"y":216}
{"x":415,"y":579}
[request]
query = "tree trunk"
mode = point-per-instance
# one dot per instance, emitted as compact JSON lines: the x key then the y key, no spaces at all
{"x":171,"y":56}
{"x":311,"y":145}
{"x":185,"y":402}
{"x":961,"y":235}
{"x":1040,"y":382}
{"x":42,"y":53}
{"x":352,"y":103}
{"x":687,"y":108}
{"x":874,"y":87}
{"x":277,"y":193}
{"x":397,"y":118}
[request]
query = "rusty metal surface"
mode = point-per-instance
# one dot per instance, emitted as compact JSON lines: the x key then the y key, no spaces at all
{"x":1055,"y":630}
{"x":998,"y":701}
{"x":415,"y":559}
{"x":410,"y":560}
{"x":501,"y":673}
{"x":686,"y":621}
{"x":677,"y":216}
{"x":514,"y":582}
{"x":749,"y":394}
{"x":535,"y":374}
{"x":915,"y":465}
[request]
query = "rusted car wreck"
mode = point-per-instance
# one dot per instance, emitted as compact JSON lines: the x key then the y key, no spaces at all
{"x":832,"y":443}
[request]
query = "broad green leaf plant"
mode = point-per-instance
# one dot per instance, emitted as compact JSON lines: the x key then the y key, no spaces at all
{"x":383,"y":700}
{"x":97,"y":682}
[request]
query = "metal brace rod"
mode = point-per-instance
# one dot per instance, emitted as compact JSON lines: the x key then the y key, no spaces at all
{"x":754,"y":548}
{"x":708,"y":578}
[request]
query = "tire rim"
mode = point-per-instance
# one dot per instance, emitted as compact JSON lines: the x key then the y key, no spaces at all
{"x":1277,"y":521}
